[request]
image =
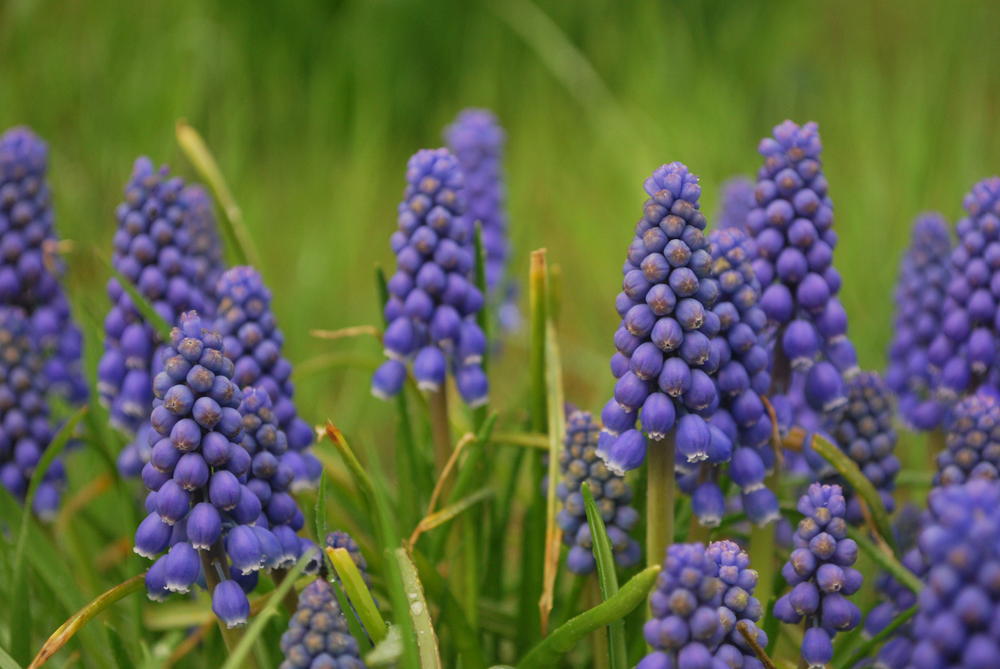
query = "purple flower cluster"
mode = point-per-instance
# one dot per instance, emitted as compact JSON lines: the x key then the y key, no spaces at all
{"x":477,"y":140}
{"x":967,"y":348}
{"x":30,"y":268}
{"x":580,"y":466}
{"x":700,"y":597}
{"x":159,"y":248}
{"x":864,"y":431}
{"x":665,"y":349}
{"x":742,"y":378}
{"x":920,"y":295}
{"x":433,"y":300}
{"x":898,"y":650}
{"x":972,"y":444}
{"x":317,"y":635}
{"x":206,"y":486}
{"x":958,"y":615}
{"x":821,"y":574}
{"x":737,"y":201}
{"x":792,"y":224}
{"x":25,"y":429}
{"x":252,"y":340}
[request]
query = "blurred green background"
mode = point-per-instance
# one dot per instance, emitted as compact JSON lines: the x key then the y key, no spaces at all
{"x":313,"y":109}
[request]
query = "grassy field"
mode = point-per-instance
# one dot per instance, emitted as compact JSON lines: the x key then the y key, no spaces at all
{"x":313,"y":108}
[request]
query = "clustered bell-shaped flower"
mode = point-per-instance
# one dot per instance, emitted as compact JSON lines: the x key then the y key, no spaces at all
{"x":972,"y":442}
{"x":433,"y":300}
{"x":477,"y":141}
{"x":317,"y":635}
{"x":665,"y":351}
{"x":743,"y":377}
{"x":737,"y":201}
{"x":155,"y":248}
{"x":25,"y":429}
{"x":252,"y":340}
{"x":967,"y":348}
{"x":821,"y":574}
{"x":792,"y":223}
{"x":206,"y":246}
{"x":580,"y":466}
{"x":201,"y":479}
{"x":700,"y":597}
{"x":920,"y":294}
{"x":30,"y":268}
{"x":897,"y":651}
{"x":864,"y":432}
{"x":958,"y":616}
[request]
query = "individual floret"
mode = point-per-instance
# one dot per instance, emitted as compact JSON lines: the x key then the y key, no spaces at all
{"x":317,"y":635}
{"x":972,"y":444}
{"x":433,"y":300}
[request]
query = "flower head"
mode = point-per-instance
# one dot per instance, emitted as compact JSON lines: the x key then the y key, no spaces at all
{"x":737,"y":201}
{"x":972,"y":442}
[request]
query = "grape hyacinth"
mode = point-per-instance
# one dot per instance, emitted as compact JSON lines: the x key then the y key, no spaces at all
{"x":25,"y":429}
{"x":920,"y":294}
{"x":200,"y":475}
{"x":966,"y":348}
{"x":958,"y":615}
{"x":580,"y":465}
{"x":737,"y":201}
{"x":30,"y":268}
{"x":206,"y":247}
{"x":700,"y":597}
{"x":898,"y":650}
{"x":821,"y":574}
{"x":742,"y":378}
{"x":477,"y":140}
{"x":317,"y":635}
{"x":433,"y":301}
{"x":792,"y":225}
{"x":157,"y":248}
{"x":665,"y":351}
{"x":253,"y":341}
{"x":864,"y":432}
{"x":972,"y":442}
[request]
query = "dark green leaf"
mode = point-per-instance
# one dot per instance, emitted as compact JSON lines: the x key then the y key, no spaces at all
{"x":607,"y":577}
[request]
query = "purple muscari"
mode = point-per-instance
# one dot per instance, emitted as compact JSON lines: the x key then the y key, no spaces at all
{"x":160,"y":248}
{"x":202,"y":478}
{"x":25,"y":428}
{"x":821,"y":574}
{"x":737,"y":201}
{"x":958,"y":616}
{"x":317,"y":636}
{"x":700,"y":596}
{"x":433,"y":301}
{"x":920,"y":294}
{"x":864,"y":432}
{"x":792,"y":224}
{"x":665,"y":353}
{"x":477,"y":140}
{"x":30,"y":267}
{"x":972,"y":442}
{"x":966,"y":348}
{"x":253,"y":341}
{"x":580,"y":465}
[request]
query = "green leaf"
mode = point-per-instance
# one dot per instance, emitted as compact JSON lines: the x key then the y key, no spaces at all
{"x":419,"y":612}
{"x":238,"y":657}
{"x":564,"y":638}
{"x":538,"y":307}
{"x":197,"y":151}
{"x":354,"y":465}
{"x":322,"y":529}
{"x":886,"y":561}
{"x":7,"y":662}
{"x":356,"y":590}
{"x":68,"y":629}
{"x":483,"y":317}
{"x":388,"y":651}
{"x":607,"y":578}
{"x":354,"y":625}
{"x":20,"y":611}
{"x":466,"y":639}
{"x":554,"y":402}
{"x":860,"y":483}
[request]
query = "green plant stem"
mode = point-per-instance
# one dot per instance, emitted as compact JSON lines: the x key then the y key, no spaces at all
{"x":216,"y":556}
{"x":290,"y":600}
{"x":437,"y":402}
{"x":659,"y":499}
{"x":762,"y":549}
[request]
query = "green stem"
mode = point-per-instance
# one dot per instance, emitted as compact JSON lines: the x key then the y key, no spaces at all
{"x":762,"y":548}
{"x":659,"y":499}
{"x":291,"y":599}
{"x":437,"y":401}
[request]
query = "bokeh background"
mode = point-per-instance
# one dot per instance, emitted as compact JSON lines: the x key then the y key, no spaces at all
{"x":312,"y":109}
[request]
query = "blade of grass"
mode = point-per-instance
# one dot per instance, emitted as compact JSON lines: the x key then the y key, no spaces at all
{"x":607,"y":578}
{"x":861,"y":485}
{"x":197,"y":151}
{"x":483,"y":317}
{"x":419,"y":612}
{"x":20,"y":608}
{"x":239,"y":655}
{"x":320,"y":512}
{"x":7,"y":662}
{"x":68,"y":629}
{"x":564,"y":638}
{"x":361,"y":477}
{"x":356,"y":590}
{"x":442,"y":516}
{"x":886,"y":561}
{"x":466,"y":640}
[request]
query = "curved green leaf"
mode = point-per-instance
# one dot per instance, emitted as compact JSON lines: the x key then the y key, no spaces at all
{"x":356,"y":590}
{"x":419,"y":612}
{"x":607,"y":578}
